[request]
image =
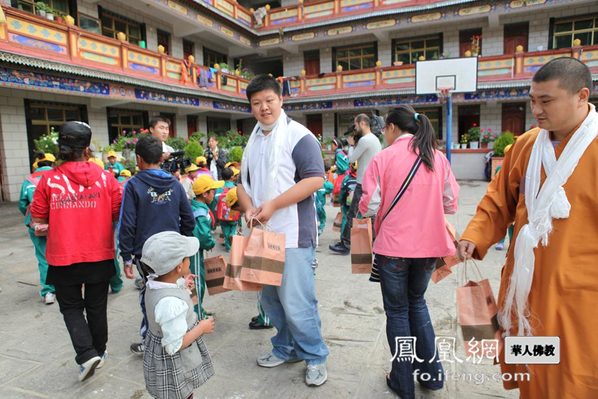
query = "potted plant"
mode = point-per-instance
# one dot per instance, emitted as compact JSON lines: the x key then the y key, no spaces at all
{"x":50,"y":13}
{"x":464,"y":140}
{"x":48,"y":143}
{"x":40,"y":8}
{"x":474,"y":137}
{"x":500,"y":143}
{"x":487,"y":138}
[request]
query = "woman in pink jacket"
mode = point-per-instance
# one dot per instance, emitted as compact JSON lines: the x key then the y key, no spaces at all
{"x":409,"y":238}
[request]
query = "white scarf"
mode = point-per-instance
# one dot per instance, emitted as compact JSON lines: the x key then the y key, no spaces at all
{"x":543,"y":204}
{"x":275,"y":150}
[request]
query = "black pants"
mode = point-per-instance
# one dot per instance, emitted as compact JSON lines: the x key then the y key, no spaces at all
{"x":89,"y":331}
{"x":353,"y":210}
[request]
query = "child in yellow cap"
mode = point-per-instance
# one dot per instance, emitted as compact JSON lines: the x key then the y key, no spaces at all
{"x":204,"y":188}
{"x":113,"y":165}
{"x":228,"y":219}
{"x":124,"y":175}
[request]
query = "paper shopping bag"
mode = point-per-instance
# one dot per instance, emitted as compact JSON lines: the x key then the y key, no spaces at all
{"x":232,"y":276}
{"x":361,"y":246}
{"x":338,"y":222}
{"x":477,"y":313}
{"x":264,"y":257}
{"x":215,"y":268}
{"x":444,"y":264}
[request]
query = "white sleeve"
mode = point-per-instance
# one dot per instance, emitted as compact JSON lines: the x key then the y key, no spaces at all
{"x":171,"y":315}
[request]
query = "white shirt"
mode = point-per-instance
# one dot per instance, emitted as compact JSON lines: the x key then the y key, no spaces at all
{"x":167,"y":148}
{"x":171,"y":315}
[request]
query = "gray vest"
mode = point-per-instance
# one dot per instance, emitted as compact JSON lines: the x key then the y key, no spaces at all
{"x":152,"y":297}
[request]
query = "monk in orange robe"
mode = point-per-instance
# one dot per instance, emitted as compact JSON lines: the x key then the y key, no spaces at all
{"x":563,"y":298}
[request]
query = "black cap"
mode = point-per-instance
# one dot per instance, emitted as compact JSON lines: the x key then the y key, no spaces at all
{"x":74,"y":136}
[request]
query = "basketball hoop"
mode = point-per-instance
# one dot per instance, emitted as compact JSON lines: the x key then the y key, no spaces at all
{"x":443,"y":93}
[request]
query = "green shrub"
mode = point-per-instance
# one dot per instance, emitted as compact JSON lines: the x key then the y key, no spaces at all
{"x":193,"y":150}
{"x":501,"y":142}
{"x":178,"y":143}
{"x":48,"y":143}
{"x":235,"y":154}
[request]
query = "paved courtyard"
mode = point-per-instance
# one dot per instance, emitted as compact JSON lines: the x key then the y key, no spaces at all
{"x":37,"y":359}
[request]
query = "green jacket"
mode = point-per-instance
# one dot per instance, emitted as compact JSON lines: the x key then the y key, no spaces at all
{"x":321,"y":194}
{"x":27,"y":190}
{"x":116,"y":168}
{"x":203,"y":225}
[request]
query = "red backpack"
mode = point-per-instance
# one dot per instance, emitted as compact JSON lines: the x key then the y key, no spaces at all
{"x":223,"y":212}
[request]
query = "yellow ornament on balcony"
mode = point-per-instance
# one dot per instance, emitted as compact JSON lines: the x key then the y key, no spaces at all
{"x":217,"y":66}
{"x":339,"y":68}
{"x":576,"y":43}
{"x":421,"y":58}
{"x":121,"y":36}
{"x":267,"y":7}
{"x":303,"y":72}
{"x":191,"y":59}
{"x":70,"y":21}
{"x":519,"y":49}
{"x":467,"y":53}
{"x":378,"y":63}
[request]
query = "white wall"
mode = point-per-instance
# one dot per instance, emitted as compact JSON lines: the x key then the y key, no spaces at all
{"x":292,"y":64}
{"x":328,"y":124}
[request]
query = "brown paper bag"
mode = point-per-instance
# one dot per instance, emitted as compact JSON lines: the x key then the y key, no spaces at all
{"x":264,"y":257}
{"x":215,"y":268}
{"x":232,"y":276}
{"x":361,"y":246}
{"x":477,"y":312}
{"x":338,"y":222}
{"x":444,"y":264}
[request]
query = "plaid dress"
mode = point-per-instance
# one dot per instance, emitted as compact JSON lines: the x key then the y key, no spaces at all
{"x":173,"y":376}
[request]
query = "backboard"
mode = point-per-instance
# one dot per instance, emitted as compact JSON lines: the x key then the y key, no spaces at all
{"x":458,"y":74}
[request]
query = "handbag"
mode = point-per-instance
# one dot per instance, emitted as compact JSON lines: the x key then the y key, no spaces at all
{"x":375,"y":274}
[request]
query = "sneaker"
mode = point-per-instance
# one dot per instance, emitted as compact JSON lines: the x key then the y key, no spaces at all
{"x":268,"y":360}
{"x":102,"y":359}
{"x":49,"y":298}
{"x":339,"y":248}
{"x":256,"y":325}
{"x":87,"y":369}
{"x":316,"y":374}
{"x":500,"y":246}
{"x":137,"y":349}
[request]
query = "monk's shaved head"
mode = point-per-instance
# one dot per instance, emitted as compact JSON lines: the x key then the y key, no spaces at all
{"x":572,"y":74}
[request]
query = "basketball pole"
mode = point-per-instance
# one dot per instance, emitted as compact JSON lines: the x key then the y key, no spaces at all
{"x":449,"y":125}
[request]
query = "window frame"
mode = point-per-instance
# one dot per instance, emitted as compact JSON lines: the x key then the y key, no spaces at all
{"x":207,"y":53}
{"x":124,"y":126}
{"x":556,"y":21}
{"x":396,"y":42}
{"x":349,"y":58}
{"x":104,"y":13}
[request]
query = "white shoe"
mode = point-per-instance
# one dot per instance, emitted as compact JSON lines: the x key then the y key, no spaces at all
{"x":102,"y":359}
{"x":316,"y":375}
{"x":87,"y":369}
{"x":49,"y":298}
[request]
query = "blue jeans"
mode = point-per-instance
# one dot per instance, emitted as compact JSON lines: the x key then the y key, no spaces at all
{"x":404,"y":282}
{"x":293,"y":310}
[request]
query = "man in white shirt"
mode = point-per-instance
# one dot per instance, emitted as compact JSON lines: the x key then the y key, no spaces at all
{"x":159,"y":127}
{"x":367,"y":146}
{"x":282,"y":168}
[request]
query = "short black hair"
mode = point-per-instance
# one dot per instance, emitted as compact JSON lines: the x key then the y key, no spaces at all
{"x":149,"y":148}
{"x":572,"y":74}
{"x":261,"y":83}
{"x":157,"y":119}
{"x":227,"y":174}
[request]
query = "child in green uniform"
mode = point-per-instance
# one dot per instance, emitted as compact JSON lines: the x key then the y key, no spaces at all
{"x":228,"y":219}
{"x":42,"y":164}
{"x":204,"y":188}
{"x":321,"y":199}
{"x":113,"y":165}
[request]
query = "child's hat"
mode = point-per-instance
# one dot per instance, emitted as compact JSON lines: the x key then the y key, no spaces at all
{"x":235,"y":171}
{"x":165,"y":250}
{"x":231,"y":197}
{"x":125,"y":173}
{"x":191,"y":168}
{"x":46,"y":158}
{"x":205,"y":183}
{"x":201,"y":160}
{"x":111,"y":154}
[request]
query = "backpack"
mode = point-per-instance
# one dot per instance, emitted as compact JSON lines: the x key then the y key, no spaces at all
{"x":376,"y":124}
{"x":223,"y":212}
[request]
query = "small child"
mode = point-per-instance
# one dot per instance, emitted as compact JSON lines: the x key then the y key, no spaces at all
{"x":321,"y":199}
{"x":125,"y":175}
{"x":346,"y":192}
{"x":227,"y":218}
{"x":113,"y":166}
{"x":176,"y":360}
{"x":204,"y":188}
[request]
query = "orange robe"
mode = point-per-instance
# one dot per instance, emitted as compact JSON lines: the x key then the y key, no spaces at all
{"x":563,"y":300}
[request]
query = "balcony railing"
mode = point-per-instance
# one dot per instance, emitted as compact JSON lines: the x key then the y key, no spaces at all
{"x":39,"y":38}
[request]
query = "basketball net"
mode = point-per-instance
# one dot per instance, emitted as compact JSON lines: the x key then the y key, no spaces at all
{"x":443,"y":94}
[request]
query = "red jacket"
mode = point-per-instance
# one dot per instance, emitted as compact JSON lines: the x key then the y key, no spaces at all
{"x":80,"y":202}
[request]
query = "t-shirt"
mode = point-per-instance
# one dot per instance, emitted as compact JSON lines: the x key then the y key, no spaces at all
{"x":167,"y":148}
{"x":300,"y":158}
{"x":366,"y":148}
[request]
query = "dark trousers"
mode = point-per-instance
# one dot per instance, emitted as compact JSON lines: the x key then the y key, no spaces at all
{"x":143,"y":272}
{"x":89,"y":331}
{"x":353,"y":210}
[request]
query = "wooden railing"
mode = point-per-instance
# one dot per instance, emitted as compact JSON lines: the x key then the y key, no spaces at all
{"x":30,"y":35}
{"x":39,"y":38}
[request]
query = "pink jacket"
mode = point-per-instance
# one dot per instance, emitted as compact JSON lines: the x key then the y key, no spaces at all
{"x":415,"y":228}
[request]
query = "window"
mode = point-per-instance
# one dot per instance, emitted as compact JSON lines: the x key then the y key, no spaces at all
{"x":125,"y":119}
{"x":59,"y":6}
{"x":42,"y":116}
{"x":470,"y":40}
{"x":355,"y":57}
{"x":311,"y":62}
{"x":408,"y":51}
{"x":188,"y":49}
{"x":211,"y":57}
{"x":434,"y":114}
{"x":90,"y":24}
{"x":164,"y":40}
{"x":582,"y":28}
{"x":217,"y":125}
{"x":113,"y":23}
